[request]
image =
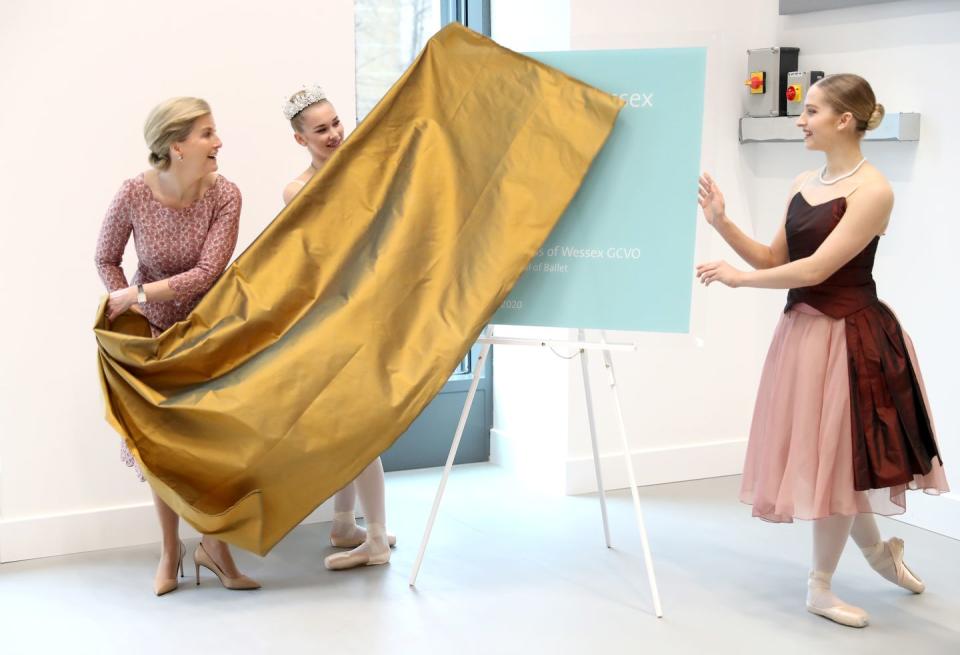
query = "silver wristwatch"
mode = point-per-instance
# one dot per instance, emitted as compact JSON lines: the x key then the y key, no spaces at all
{"x":141,"y":295}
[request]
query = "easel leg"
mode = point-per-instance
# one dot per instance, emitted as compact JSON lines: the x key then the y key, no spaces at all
{"x":481,"y":361}
{"x":647,"y":558}
{"x":588,"y":395}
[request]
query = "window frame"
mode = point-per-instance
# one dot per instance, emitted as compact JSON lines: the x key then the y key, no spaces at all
{"x":474,"y":14}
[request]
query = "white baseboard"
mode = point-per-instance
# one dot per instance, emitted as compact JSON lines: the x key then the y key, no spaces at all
{"x":658,"y":466}
{"x":940,"y":514}
{"x":100,"y":529}
{"x":652,"y":466}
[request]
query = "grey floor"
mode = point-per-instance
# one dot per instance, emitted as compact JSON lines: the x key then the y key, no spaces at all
{"x":507,"y":571}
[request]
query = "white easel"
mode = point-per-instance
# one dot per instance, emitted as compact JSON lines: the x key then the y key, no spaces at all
{"x":583,"y":347}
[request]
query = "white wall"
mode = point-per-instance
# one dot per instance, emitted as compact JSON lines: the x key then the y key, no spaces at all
{"x":530,"y":421}
{"x":665,"y":378}
{"x":77,"y":81}
{"x":684,"y":398}
{"x":688,"y":400}
{"x":905,"y":50}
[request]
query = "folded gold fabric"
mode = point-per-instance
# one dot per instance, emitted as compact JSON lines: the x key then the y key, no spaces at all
{"x":324,"y":340}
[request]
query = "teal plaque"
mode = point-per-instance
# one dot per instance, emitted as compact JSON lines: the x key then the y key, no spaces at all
{"x":621,"y":257}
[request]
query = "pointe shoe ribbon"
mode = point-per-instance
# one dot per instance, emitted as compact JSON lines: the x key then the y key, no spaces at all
{"x":241,"y":583}
{"x":894,"y":569}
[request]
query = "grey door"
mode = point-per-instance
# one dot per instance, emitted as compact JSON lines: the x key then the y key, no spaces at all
{"x":427,"y":441}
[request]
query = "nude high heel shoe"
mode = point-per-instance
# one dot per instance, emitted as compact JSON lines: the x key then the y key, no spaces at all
{"x":163,"y":586}
{"x":202,"y":558}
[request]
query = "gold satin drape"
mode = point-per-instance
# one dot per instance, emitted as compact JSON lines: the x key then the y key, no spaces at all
{"x":324,"y":340}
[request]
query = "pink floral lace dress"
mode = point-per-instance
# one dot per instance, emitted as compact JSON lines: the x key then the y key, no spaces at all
{"x":190,"y":246}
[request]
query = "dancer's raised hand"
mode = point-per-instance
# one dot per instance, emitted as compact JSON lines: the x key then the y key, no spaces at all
{"x":711,"y":201}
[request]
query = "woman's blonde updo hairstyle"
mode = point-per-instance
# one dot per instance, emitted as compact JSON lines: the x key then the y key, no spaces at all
{"x":846,"y":92}
{"x":168,"y":123}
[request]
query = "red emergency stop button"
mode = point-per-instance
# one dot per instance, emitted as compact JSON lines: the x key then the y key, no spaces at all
{"x":755,"y":82}
{"x":793,"y":93}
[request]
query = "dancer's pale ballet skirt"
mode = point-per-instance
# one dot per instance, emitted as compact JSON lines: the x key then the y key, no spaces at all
{"x":799,"y":460}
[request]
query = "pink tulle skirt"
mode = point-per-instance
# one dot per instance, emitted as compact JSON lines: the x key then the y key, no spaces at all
{"x":799,"y":460}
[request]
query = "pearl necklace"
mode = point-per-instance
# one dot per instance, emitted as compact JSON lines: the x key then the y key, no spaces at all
{"x":841,"y":177}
